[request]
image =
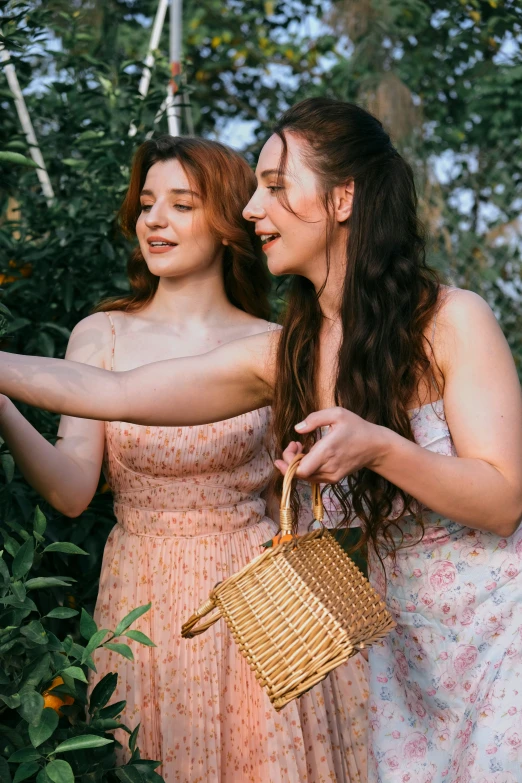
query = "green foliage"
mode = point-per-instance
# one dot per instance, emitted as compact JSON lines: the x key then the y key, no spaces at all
{"x":446,"y":79}
{"x":45,"y":711}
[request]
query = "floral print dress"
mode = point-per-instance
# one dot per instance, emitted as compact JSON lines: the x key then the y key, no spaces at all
{"x":446,"y":684}
{"x":189,"y":514}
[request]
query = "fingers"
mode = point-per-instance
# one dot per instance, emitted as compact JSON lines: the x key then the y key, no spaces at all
{"x":319,"y":419}
{"x":313,"y":462}
{"x":289,"y":453}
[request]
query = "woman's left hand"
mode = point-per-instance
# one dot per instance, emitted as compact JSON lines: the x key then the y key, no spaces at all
{"x":350,"y":444}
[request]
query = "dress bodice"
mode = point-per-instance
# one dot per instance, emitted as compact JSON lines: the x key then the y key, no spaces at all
{"x":185,"y":481}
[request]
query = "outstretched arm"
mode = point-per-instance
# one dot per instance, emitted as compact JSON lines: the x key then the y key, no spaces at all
{"x":232,"y":379}
{"x":65,"y":474}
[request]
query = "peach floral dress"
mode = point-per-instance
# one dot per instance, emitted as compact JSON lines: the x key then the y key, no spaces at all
{"x":189,"y":514}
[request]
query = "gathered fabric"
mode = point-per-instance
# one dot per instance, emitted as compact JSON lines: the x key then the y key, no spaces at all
{"x":189,"y":514}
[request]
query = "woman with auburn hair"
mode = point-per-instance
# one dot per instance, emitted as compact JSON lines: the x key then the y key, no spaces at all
{"x":187,"y":499}
{"x":416,"y":393}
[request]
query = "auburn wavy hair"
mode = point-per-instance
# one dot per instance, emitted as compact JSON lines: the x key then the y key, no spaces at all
{"x":225,"y":182}
{"x":390,"y":296}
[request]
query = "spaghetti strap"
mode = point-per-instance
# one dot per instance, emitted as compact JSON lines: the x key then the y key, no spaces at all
{"x":113,"y":331}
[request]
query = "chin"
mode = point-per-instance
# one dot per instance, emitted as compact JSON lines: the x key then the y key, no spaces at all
{"x":278,"y":267}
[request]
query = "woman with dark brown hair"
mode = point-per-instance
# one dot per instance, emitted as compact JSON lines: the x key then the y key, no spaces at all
{"x":418,"y":391}
{"x":187,"y":499}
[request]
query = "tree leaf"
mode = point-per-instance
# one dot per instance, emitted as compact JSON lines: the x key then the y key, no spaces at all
{"x":62,"y":613}
{"x":26,"y":770}
{"x":37,"y":672}
{"x":122,"y":649}
{"x":140,"y":637}
{"x":133,"y":738}
{"x":66,"y":547}
{"x":4,"y":571}
{"x":34,"y":632}
{"x":75,"y":672}
{"x":102,"y":692}
{"x":5,"y":772}
{"x":128,"y":774}
{"x":17,"y":159}
{"x":83,"y":742}
{"x":60,"y":771}
{"x":130,"y":618}
{"x":31,"y":707}
{"x":24,"y":559}
{"x":24,"y":755}
{"x":94,"y":642}
{"x":87,"y":625}
{"x":8,"y":466}
{"x":39,"y":521}
{"x":113,"y":710}
{"x":45,"y":728}
{"x":41,"y":582}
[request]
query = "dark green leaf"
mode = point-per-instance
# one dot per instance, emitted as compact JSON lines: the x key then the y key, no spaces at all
{"x":59,"y":771}
{"x":25,"y":771}
{"x":130,"y":618}
{"x":140,"y":637}
{"x":102,"y":692}
{"x":94,"y":642}
{"x":45,"y":728}
{"x":112,"y":710}
{"x":13,"y":702}
{"x":34,"y":632}
{"x":75,"y":672}
{"x":4,"y":571}
{"x":122,"y":649}
{"x":133,"y":738}
{"x":31,"y":708}
{"x":18,"y":590}
{"x":39,"y":671}
{"x":24,"y":559}
{"x":82,"y":743}
{"x":39,"y":521}
{"x":5,"y":773}
{"x":24,"y":755}
{"x":66,"y":547}
{"x":62,"y":613}
{"x":41,"y":582}
{"x":8,"y":467}
{"x":128,"y":774}
{"x":87,"y":625}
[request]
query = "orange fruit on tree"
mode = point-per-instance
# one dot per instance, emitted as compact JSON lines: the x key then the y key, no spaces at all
{"x":54,"y":700}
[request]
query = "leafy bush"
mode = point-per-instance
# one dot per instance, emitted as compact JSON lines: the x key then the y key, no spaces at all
{"x":50,"y":730}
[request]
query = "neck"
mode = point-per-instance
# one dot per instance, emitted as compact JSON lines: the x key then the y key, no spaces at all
{"x":331,"y":296}
{"x":192,"y":300}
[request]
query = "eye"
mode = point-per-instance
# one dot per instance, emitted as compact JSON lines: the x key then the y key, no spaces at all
{"x":273,"y":188}
{"x":183,"y":207}
{"x":146,"y":207}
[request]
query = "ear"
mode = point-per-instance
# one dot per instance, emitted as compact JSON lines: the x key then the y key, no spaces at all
{"x":225,"y":242}
{"x":343,"y":201}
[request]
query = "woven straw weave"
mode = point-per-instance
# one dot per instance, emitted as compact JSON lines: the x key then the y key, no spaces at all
{"x":298,"y":610}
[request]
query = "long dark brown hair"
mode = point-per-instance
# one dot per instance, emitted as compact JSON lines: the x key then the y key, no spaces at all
{"x":226,"y":183}
{"x":389,"y":297}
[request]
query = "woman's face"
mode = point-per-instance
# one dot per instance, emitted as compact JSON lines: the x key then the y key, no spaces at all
{"x":174,"y":235}
{"x":293,"y":243}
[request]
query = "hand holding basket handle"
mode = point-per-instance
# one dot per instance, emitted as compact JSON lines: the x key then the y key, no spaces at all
{"x":298,"y":610}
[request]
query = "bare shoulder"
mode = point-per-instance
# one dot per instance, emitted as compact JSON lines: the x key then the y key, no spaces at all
{"x":466,"y":327}
{"x":91,"y":340}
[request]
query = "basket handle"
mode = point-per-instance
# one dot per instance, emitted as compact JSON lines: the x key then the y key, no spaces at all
{"x":189,"y":630}
{"x":286,"y":520}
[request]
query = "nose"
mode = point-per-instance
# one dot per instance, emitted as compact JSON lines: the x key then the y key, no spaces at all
{"x":157,"y":215}
{"x":254,"y":210}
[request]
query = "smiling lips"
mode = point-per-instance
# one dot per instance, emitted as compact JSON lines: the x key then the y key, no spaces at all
{"x":268,"y":240}
{"x":160,"y":244}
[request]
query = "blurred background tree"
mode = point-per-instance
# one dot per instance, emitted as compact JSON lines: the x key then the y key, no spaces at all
{"x":445,"y":77}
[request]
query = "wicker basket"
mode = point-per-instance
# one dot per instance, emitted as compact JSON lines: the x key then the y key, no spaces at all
{"x":298,"y":610}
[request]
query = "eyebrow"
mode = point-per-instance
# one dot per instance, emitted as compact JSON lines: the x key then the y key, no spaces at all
{"x":174,"y":191}
{"x":270,"y":172}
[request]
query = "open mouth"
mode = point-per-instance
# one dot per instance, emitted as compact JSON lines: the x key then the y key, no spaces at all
{"x":162,"y":244}
{"x":268,"y":239}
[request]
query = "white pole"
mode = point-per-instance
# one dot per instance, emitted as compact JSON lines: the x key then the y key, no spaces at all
{"x":173,"y":111}
{"x":157,"y":27}
{"x":27,"y":125}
